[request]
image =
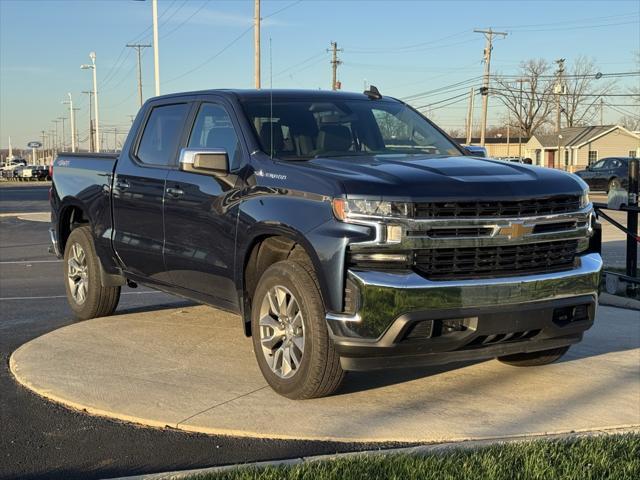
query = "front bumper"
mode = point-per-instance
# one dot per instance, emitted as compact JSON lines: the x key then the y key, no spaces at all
{"x":496,"y":316}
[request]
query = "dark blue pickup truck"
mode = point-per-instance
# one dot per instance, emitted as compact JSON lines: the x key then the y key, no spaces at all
{"x":346,"y":230}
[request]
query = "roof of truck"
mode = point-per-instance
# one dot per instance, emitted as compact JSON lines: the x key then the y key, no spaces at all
{"x":250,"y":94}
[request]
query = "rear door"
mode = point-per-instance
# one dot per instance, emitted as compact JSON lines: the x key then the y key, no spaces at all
{"x":201,"y":214}
{"x":139,"y":186}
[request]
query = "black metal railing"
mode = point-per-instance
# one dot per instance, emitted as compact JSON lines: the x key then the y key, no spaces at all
{"x":631,"y":230}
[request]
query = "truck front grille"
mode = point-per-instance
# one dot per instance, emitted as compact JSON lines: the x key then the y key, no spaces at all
{"x":487,"y":262}
{"x":518,"y":208}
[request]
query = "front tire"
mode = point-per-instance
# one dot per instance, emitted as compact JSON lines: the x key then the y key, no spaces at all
{"x":85,"y":293}
{"x":534,"y":359}
{"x":290,"y":336}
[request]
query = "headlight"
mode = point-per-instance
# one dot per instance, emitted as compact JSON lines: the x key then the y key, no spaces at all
{"x":584,"y":199}
{"x":346,"y":209}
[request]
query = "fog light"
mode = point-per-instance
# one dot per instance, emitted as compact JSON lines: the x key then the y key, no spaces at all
{"x":380,"y":257}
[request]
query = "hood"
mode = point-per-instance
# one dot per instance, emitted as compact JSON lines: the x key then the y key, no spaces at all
{"x":413,"y":177}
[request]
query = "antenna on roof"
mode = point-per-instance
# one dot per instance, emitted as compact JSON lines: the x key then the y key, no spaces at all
{"x":270,"y":99}
{"x":373,"y":93}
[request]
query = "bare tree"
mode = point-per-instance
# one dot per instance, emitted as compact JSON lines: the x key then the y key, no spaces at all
{"x":580,"y":102}
{"x":537,"y":90}
{"x":630,"y":122}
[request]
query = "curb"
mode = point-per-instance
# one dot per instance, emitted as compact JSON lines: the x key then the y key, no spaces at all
{"x":419,"y":450}
{"x":22,"y":214}
{"x":608,"y":300}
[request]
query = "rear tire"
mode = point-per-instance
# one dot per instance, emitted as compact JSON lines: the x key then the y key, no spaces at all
{"x":288,"y":313}
{"x":85,"y":293}
{"x":534,"y":359}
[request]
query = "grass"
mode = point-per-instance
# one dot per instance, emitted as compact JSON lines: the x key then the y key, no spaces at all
{"x":588,"y":458}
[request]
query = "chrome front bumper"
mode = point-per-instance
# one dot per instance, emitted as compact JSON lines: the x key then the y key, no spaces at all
{"x":386,"y":296}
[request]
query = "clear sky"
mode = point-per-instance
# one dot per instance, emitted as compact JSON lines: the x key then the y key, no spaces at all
{"x":402,"y":47}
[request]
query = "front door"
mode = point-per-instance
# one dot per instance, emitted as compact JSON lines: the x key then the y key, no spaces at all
{"x":138,"y":192}
{"x":201,"y":216}
{"x":551,"y":159}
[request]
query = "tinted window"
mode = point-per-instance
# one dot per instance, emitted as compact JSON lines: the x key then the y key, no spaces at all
{"x":302,"y":129}
{"x":598,"y":165}
{"x":213,"y":129}
{"x":159,"y":143}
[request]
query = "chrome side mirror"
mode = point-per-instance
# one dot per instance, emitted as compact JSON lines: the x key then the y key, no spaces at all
{"x":207,"y":161}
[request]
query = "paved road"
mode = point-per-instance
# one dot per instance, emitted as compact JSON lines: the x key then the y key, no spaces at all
{"x":24,"y":197}
{"x":39,"y":439}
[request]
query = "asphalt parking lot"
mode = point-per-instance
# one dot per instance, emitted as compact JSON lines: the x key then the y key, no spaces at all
{"x":42,"y":439}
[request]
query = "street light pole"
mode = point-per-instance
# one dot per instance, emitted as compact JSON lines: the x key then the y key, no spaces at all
{"x":92,"y":56}
{"x":156,"y":53}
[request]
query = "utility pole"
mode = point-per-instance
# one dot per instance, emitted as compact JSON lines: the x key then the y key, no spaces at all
{"x":44,"y":146}
{"x":92,"y":56}
{"x":139,"y":48}
{"x":335,"y":61}
{"x":256,"y":42}
{"x":488,"y":34}
{"x":55,"y":138}
{"x":559,"y":90}
{"x":91,"y":137}
{"x":520,"y":81}
{"x":75,"y":128}
{"x":64,"y":137}
{"x":156,"y":47}
{"x":470,"y":116}
{"x":73,"y":123}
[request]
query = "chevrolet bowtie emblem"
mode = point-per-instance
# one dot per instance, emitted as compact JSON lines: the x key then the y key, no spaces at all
{"x":515,"y":231}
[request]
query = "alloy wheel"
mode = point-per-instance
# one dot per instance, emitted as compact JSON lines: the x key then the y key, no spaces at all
{"x":78,"y":273}
{"x":281,"y":331}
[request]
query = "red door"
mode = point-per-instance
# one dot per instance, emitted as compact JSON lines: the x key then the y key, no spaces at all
{"x":551,"y":159}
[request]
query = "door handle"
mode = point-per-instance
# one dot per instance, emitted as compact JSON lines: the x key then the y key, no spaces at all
{"x":174,"y":192}
{"x":122,"y":184}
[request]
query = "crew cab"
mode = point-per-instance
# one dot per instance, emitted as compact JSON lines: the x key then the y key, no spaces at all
{"x":346,"y":230}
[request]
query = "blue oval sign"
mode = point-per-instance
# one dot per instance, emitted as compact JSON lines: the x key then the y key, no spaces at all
{"x":34,"y":144}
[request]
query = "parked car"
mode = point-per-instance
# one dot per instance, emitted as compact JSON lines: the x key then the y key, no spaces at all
{"x":606,"y":174}
{"x":40,"y":172}
{"x":476,"y":150}
{"x":340,"y":245}
{"x":17,"y":172}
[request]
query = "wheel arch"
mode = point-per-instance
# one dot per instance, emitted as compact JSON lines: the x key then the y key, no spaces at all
{"x":265,"y":248}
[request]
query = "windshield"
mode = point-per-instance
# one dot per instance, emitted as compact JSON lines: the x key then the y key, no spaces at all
{"x":304,"y":129}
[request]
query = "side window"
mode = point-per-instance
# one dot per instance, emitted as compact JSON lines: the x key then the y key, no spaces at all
{"x":159,"y":142}
{"x":598,"y":165}
{"x":214,"y":129}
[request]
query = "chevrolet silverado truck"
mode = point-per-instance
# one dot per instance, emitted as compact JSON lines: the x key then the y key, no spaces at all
{"x":346,"y":230}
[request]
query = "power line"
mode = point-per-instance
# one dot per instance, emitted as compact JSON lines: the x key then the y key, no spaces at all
{"x":466,"y":94}
{"x":443,"y":88}
{"x":286,"y":7}
{"x":405,"y":47}
{"x":181,"y":24}
{"x":211,"y":58}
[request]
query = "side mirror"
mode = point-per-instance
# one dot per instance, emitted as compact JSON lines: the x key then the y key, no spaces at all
{"x":207,"y":161}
